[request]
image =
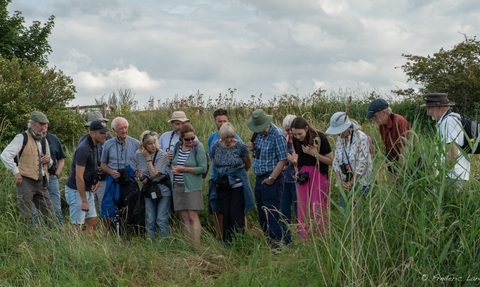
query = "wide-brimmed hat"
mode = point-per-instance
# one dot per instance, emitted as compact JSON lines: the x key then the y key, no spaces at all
{"x":339,"y":124}
{"x":259,"y":121}
{"x":39,"y":117}
{"x":375,"y":107}
{"x":437,"y":100}
{"x":179,"y":116}
{"x":95,"y":116}
{"x":99,"y":125}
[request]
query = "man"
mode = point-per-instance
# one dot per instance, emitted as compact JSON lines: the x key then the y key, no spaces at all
{"x":101,"y":188}
{"x":119,"y":162}
{"x":84,"y":180}
{"x":270,"y":156}
{"x":394,"y":130}
{"x":31,"y":174}
{"x":451,"y":136}
{"x":220,"y":117}
{"x":169,"y":139}
{"x":58,"y":158}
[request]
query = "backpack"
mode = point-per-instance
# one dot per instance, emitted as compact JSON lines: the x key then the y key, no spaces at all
{"x":195,"y":151}
{"x":25,"y":140}
{"x":471,"y":132}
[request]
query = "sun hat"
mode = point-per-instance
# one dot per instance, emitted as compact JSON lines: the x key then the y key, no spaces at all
{"x":179,"y":116}
{"x":437,"y":100}
{"x":95,"y":116}
{"x":259,"y":121}
{"x":338,"y":124}
{"x":39,"y":117}
{"x":99,"y":125}
{"x":375,"y":107}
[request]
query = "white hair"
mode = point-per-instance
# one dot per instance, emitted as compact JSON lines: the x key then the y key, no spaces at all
{"x":116,"y":120}
{"x":287,"y":121}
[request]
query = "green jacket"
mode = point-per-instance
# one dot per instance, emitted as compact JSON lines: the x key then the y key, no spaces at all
{"x":194,"y":182}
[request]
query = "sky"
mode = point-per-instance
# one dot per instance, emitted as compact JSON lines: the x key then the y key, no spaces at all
{"x":165,"y":48}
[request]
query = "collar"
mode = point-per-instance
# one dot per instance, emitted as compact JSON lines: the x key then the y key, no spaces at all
{"x":443,"y":116}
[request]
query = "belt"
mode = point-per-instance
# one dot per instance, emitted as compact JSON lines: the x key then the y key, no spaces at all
{"x":267,"y":174}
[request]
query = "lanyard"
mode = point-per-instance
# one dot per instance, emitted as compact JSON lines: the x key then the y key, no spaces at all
{"x":126,"y":148}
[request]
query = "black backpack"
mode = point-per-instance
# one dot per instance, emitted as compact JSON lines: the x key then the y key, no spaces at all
{"x":471,"y":131}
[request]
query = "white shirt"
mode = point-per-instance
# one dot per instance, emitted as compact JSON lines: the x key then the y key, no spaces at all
{"x":451,"y":130}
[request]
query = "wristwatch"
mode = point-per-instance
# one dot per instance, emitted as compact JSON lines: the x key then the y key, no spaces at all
{"x":271,"y":179}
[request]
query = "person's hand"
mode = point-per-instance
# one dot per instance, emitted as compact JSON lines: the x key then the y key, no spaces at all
{"x":268,"y":181}
{"x":346,"y":185}
{"x":95,"y":186}
{"x":309,"y":149}
{"x":18,"y":179}
{"x":100,"y":169}
{"x":85,"y":206}
{"x":146,"y":154}
{"x":250,"y":146}
{"x":45,"y":158}
{"x":115,"y":174}
{"x":170,"y":155}
{"x":177,"y":169}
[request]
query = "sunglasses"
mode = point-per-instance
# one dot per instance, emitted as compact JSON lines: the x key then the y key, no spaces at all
{"x":189,"y":139}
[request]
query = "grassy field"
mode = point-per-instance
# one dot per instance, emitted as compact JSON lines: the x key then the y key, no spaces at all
{"x":420,"y":232}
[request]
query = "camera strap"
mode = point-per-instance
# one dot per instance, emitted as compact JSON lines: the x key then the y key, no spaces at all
{"x":350,"y":147}
{"x":126,"y":149}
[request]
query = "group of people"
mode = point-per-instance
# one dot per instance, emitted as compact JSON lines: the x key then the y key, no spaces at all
{"x":291,"y":168}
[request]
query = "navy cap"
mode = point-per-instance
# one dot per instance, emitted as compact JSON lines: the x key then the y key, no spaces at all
{"x":99,"y":126}
{"x":375,"y":107}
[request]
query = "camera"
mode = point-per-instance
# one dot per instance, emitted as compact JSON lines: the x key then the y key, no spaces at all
{"x":302,"y":177}
{"x":124,"y":178}
{"x":96,"y":177}
{"x":142,"y":178}
{"x":345,"y":168}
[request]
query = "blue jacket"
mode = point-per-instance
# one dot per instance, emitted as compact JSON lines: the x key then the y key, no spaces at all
{"x":112,"y":194}
{"x":232,"y":173}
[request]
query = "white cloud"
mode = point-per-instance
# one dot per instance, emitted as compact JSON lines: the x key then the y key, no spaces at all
{"x":130,"y":77}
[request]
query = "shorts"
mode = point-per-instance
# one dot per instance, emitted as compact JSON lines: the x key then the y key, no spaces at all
{"x":77,"y":215}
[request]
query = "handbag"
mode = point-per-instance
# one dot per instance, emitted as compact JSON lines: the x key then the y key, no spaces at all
{"x":152,"y":190}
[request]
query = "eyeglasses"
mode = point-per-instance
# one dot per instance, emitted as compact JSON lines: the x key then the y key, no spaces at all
{"x":147,"y":135}
{"x":189,"y":139}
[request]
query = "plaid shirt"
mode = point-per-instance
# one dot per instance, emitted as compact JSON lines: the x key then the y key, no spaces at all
{"x":269,"y":150}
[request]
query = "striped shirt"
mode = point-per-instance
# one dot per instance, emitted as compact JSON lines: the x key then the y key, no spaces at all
{"x":182,"y":157}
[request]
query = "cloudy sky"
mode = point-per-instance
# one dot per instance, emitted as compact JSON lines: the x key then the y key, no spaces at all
{"x":160,"y":48}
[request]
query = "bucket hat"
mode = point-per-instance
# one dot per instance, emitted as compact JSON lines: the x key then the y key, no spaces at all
{"x":338,"y":124}
{"x":179,"y":116}
{"x":259,"y":121}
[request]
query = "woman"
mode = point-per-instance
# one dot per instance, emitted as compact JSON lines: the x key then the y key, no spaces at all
{"x":231,"y":194}
{"x":188,"y":163}
{"x":314,"y":157}
{"x":152,"y":169}
{"x":353,"y":160}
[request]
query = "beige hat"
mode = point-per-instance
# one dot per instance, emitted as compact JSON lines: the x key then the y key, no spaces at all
{"x":179,"y":116}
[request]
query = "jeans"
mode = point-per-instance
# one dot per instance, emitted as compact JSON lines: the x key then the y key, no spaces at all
{"x":158,"y":215}
{"x":268,"y":205}
{"x":289,"y":198}
{"x":54,"y":192}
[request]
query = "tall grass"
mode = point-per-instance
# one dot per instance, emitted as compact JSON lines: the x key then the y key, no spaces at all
{"x":419,"y":232}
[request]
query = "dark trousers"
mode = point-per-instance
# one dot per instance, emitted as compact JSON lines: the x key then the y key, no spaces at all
{"x":232,"y":206}
{"x":268,"y":199}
